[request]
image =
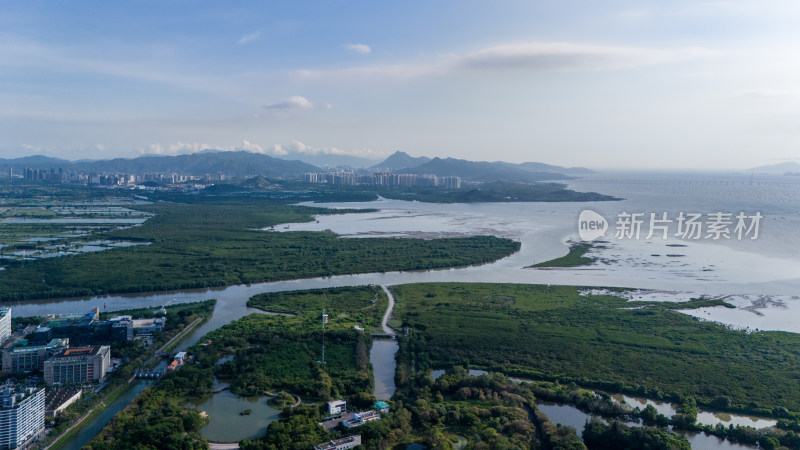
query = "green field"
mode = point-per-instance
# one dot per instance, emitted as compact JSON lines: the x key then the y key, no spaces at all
{"x":350,"y":304}
{"x":216,"y":244}
{"x":551,"y":332}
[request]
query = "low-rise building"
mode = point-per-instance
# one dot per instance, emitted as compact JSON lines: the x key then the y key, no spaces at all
{"x":340,"y":444}
{"x":78,"y":365}
{"x":21,"y":415}
{"x":24,"y":357}
{"x":337,"y":406}
{"x":181,"y":357}
{"x":382,"y":406}
{"x":360,"y":418}
{"x":148,"y":326}
{"x":86,"y":329}
{"x":58,"y":400}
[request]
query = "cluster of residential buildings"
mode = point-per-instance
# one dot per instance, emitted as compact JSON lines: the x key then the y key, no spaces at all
{"x":22,"y":412}
{"x":68,"y":351}
{"x":388,"y":179}
{"x":60,"y":176}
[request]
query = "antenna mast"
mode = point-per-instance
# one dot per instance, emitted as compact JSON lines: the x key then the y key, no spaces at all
{"x":324,"y":321}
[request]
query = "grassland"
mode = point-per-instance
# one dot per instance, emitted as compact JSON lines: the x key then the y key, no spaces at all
{"x":220,"y":243}
{"x":356,"y":305}
{"x":552,"y":332}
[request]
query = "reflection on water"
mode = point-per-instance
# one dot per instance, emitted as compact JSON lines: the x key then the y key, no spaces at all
{"x":570,"y":416}
{"x":227,"y":424}
{"x":703,"y":417}
{"x":381,"y":356}
{"x":90,"y":431}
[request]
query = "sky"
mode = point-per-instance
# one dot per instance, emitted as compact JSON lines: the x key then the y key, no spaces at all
{"x":615,"y":84}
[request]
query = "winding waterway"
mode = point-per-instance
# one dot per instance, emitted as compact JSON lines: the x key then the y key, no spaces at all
{"x":762,"y":273}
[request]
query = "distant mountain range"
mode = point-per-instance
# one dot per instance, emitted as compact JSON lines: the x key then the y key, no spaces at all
{"x":400,"y":160}
{"x":478,"y":170}
{"x":234,"y":164}
{"x":786,"y":167}
{"x":246,"y":164}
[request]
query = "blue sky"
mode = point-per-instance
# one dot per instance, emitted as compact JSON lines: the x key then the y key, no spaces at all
{"x":628,"y":84}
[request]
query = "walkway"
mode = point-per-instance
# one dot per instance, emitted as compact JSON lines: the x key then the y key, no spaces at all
{"x":384,"y":324}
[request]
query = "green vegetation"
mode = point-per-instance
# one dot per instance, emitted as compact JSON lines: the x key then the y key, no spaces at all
{"x":216,"y":244}
{"x":178,"y":318}
{"x":275,"y":352}
{"x":694,"y":303}
{"x":497,"y":191}
{"x":156,"y":419}
{"x":282,"y":400}
{"x":574,"y":258}
{"x":175,"y":313}
{"x":553,"y":333}
{"x":359,"y":305}
{"x":271,"y":353}
{"x":600,"y":436}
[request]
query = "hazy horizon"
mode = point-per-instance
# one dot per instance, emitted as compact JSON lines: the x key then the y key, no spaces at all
{"x":772,"y":169}
{"x":686,"y":85}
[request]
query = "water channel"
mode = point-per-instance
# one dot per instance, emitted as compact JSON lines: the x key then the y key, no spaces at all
{"x":542,"y":230}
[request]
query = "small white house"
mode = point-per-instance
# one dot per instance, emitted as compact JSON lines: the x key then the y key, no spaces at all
{"x":337,"y":406}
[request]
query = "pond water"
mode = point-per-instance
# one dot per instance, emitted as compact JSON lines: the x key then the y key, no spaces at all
{"x":570,"y":416}
{"x":703,"y":417}
{"x":381,"y":356}
{"x":228,"y":425}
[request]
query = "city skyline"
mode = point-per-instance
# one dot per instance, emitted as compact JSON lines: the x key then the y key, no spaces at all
{"x":684,"y":85}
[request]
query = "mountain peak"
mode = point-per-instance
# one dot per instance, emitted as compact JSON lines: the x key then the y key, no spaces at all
{"x":401,"y":160}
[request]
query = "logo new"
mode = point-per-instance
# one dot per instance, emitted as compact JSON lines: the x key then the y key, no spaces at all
{"x":591,"y":225}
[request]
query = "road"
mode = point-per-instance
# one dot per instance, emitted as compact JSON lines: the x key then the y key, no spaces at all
{"x":388,"y":313}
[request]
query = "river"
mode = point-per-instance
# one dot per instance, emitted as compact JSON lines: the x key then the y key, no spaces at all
{"x":762,"y":274}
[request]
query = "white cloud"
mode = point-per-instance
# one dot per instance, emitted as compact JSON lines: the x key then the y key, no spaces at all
{"x":250,"y":147}
{"x":568,"y":56}
{"x":294,"y":102}
{"x":249,"y":37}
{"x":364,"y":49}
{"x":301,"y":148}
{"x":178,"y":148}
{"x":527,"y":56}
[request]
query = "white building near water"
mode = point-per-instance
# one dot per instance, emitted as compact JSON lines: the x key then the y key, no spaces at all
{"x":21,"y":415}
